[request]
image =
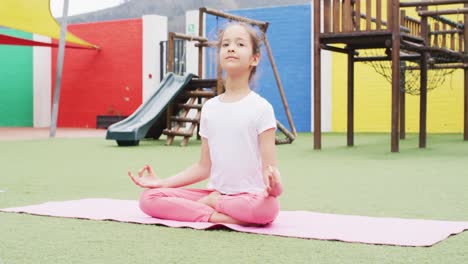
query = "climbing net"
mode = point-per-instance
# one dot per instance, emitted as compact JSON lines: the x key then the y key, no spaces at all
{"x":410,"y":77}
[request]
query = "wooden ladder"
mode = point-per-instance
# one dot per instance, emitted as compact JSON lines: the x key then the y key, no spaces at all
{"x":177,"y":112}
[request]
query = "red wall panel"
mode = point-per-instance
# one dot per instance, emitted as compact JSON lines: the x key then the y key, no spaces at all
{"x":108,"y":81}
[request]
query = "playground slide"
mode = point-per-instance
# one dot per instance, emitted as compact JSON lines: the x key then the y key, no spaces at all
{"x":129,"y":131}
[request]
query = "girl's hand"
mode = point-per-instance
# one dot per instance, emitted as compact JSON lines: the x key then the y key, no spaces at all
{"x":148,"y":180}
{"x":272,"y":180}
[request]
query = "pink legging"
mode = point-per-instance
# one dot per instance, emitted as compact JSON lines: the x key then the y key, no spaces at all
{"x":181,"y":204}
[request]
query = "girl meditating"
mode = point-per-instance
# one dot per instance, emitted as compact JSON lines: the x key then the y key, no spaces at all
{"x":238,"y":152}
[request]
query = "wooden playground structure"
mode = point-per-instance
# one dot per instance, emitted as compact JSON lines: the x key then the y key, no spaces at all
{"x":199,"y":90}
{"x":347,"y":23}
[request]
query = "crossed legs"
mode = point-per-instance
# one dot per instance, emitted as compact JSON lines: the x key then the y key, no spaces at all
{"x":201,"y":205}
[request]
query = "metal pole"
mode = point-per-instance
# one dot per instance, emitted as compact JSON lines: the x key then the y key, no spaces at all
{"x":58,"y":74}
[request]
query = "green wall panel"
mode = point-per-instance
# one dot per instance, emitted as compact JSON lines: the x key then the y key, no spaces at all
{"x":16,"y":82}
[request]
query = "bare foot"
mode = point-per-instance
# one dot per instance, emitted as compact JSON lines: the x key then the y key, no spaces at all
{"x":217,"y":217}
{"x":221,"y":218}
{"x":211,"y":199}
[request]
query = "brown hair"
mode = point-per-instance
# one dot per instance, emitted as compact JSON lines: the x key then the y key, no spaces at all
{"x":254,"y":39}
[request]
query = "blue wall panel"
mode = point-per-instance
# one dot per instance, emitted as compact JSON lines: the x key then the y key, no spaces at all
{"x":289,"y":36}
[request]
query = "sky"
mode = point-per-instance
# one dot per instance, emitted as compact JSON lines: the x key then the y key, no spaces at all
{"x":76,"y":7}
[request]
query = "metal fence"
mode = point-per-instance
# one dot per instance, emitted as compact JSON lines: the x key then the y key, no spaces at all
{"x":179,"y":66}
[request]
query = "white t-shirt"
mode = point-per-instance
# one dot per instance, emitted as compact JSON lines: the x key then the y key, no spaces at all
{"x":233,"y":130}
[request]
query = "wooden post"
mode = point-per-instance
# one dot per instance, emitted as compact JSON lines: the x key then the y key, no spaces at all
{"x":170,"y":68}
{"x":452,"y":39}
{"x":403,"y":17}
{"x":423,"y":102}
{"x":347,"y":17}
{"x":327,"y":16}
{"x":379,"y":14}
{"x":460,"y":39}
{"x":278,"y":83}
{"x":368,"y":15}
{"x":395,"y":26}
{"x":350,"y":131}
{"x":389,"y":14}
{"x":357,"y":7}
{"x":423,"y":82}
{"x":436,"y":37}
{"x":465,"y":38}
{"x":402,"y":86}
{"x":170,"y":52}
{"x":336,"y":16}
{"x":402,"y":100}
{"x":317,"y":75}
{"x":444,"y":36}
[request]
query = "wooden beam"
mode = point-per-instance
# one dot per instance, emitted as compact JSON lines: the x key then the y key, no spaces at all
{"x":336,"y":49}
{"x":387,"y":58}
{"x":429,"y":3}
{"x":188,"y":37}
{"x":441,"y":67}
{"x":261,"y":24}
{"x":443,"y":12}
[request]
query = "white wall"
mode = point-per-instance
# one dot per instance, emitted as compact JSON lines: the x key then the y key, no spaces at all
{"x":191,"y":28}
{"x":154,"y":31}
{"x":42,"y":83}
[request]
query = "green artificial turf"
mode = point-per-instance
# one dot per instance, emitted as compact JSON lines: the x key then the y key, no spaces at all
{"x":363,"y":180}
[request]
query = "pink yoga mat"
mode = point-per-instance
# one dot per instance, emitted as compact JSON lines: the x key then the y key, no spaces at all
{"x":301,"y":224}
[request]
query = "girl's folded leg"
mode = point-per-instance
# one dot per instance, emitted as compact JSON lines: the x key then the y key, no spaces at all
{"x":250,"y":208}
{"x":176,"y":204}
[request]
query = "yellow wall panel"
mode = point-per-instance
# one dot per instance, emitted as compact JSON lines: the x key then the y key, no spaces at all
{"x":373,"y":98}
